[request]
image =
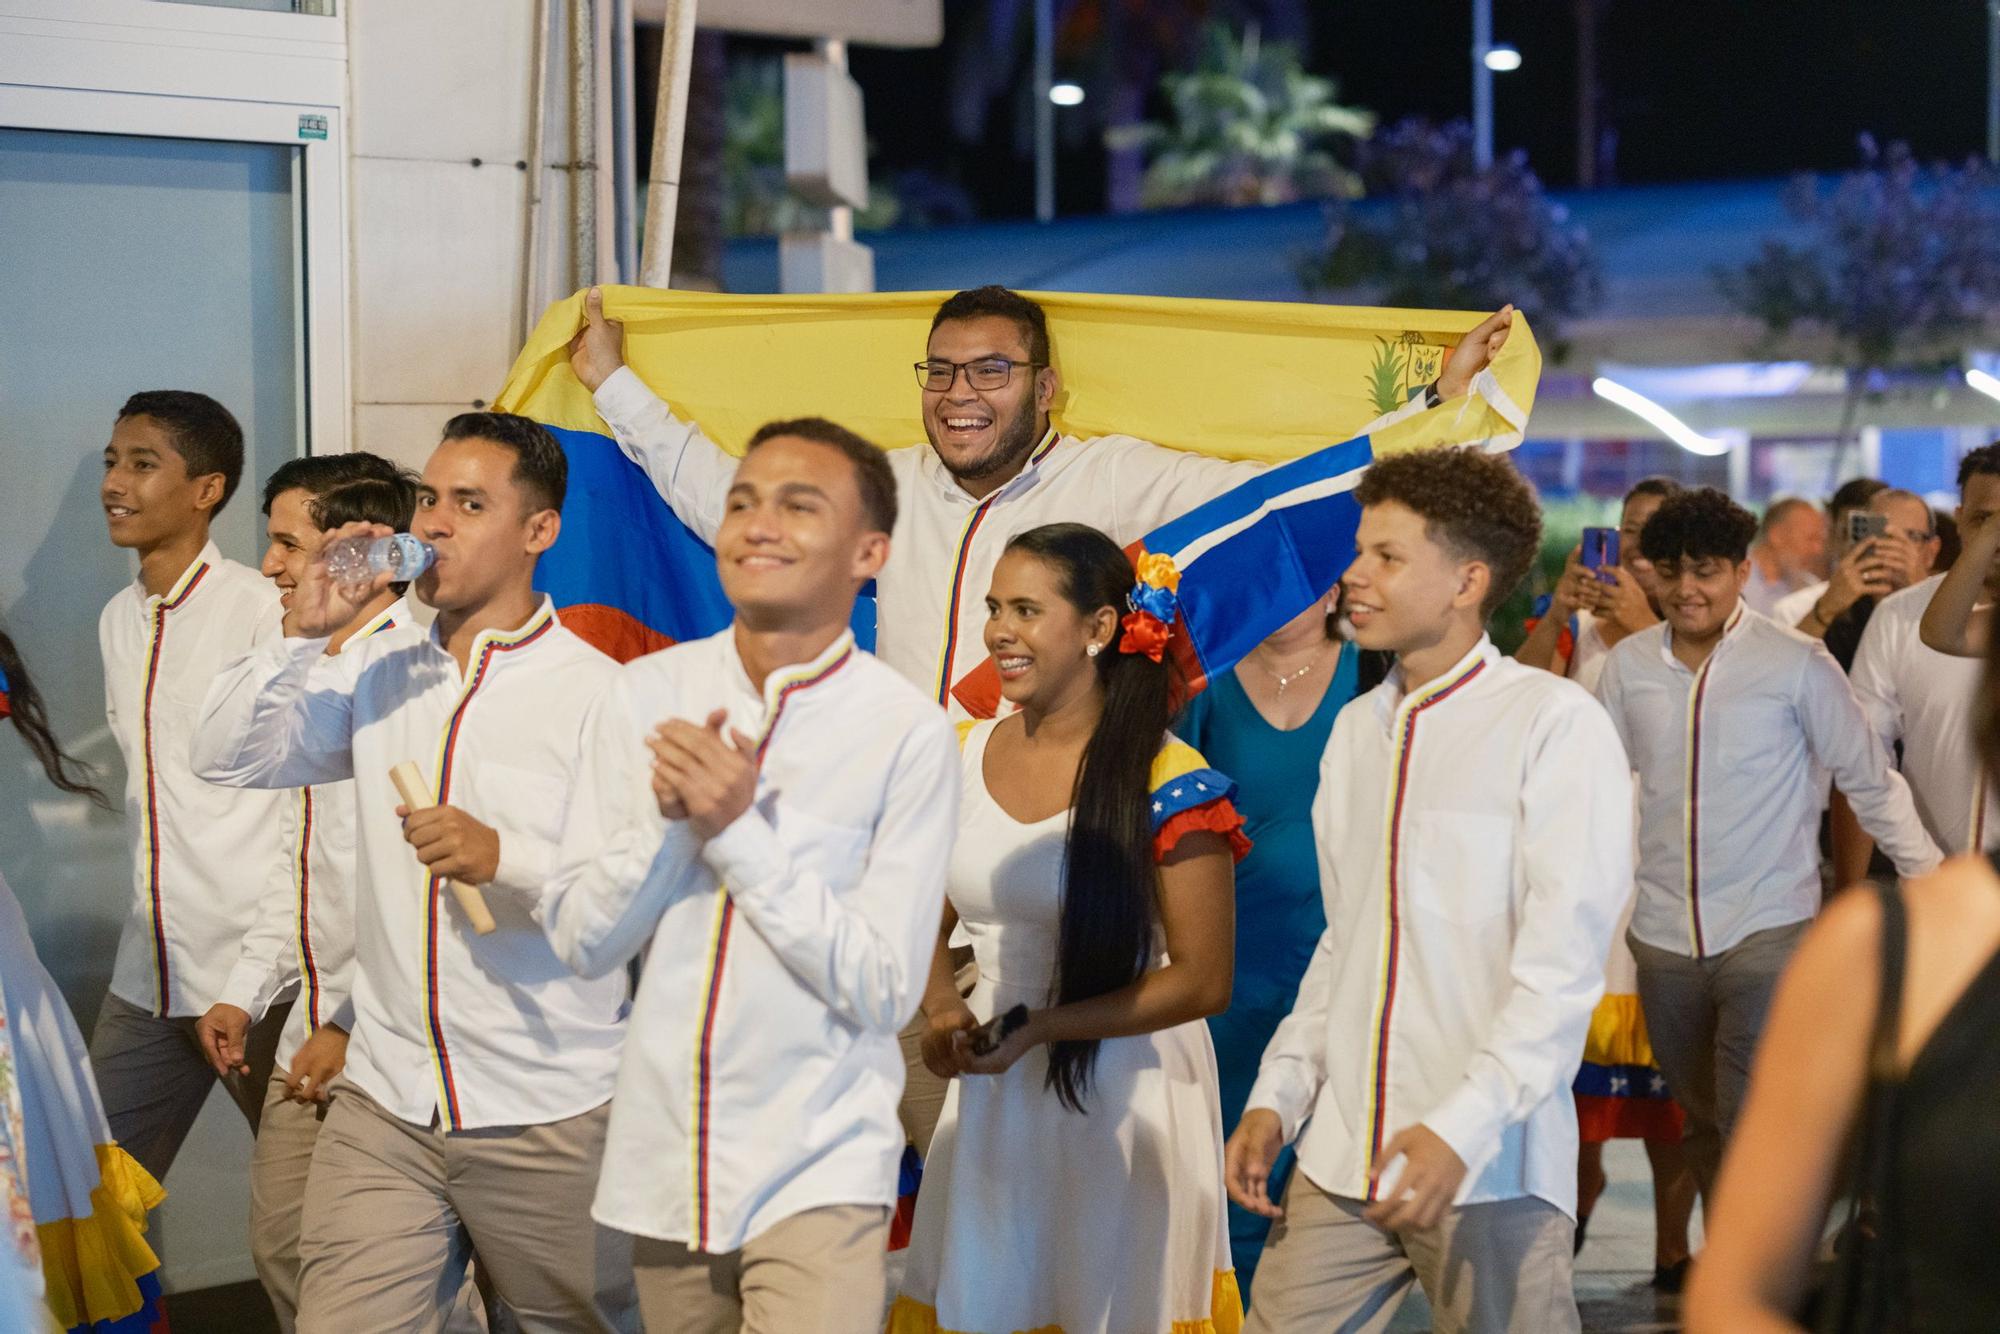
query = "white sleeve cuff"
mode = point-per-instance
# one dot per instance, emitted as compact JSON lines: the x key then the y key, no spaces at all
{"x":747,"y":853}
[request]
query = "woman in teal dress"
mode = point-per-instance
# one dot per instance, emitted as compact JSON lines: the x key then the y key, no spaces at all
{"x":1266,"y":725}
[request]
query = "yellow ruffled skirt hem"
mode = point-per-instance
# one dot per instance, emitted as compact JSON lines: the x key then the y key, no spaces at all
{"x":1618,"y":1033}
{"x":93,"y":1265}
{"x":909,"y":1316}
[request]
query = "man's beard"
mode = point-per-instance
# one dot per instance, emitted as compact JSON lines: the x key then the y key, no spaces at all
{"x":1013,"y":445}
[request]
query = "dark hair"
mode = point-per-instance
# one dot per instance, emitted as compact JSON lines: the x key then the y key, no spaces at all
{"x":540,"y":467}
{"x":1474,"y":504}
{"x":390,"y":501}
{"x":1950,"y":544}
{"x":979,"y":302}
{"x":31,"y":720}
{"x":1697,"y":524}
{"x":1780,"y":510}
{"x":1853,"y":494}
{"x":873,"y":477}
{"x":1652,"y":486}
{"x":321,"y":473}
{"x":203,"y":431}
{"x":1981,"y":462}
{"x":1110,"y":909}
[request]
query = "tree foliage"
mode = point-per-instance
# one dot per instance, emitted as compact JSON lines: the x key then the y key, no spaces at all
{"x":1439,"y":233}
{"x":1902,"y":259}
{"x":1249,"y":126}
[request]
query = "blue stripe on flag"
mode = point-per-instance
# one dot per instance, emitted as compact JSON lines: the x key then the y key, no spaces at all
{"x":1235,"y":593}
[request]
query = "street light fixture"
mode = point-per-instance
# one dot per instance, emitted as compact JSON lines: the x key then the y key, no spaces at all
{"x":1503,"y":59}
{"x":1066,"y":94}
{"x":1676,"y":430}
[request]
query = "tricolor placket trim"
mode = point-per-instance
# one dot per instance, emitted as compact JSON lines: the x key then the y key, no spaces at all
{"x":1392,"y":911}
{"x":155,"y":895}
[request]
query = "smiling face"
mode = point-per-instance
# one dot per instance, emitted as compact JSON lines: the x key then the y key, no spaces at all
{"x":147,"y":494}
{"x":1403,"y":588}
{"x":795,"y":544}
{"x":985,"y":435}
{"x":1039,"y":639}
{"x":294,"y":539}
{"x":1698,"y":594}
{"x":486,"y":528}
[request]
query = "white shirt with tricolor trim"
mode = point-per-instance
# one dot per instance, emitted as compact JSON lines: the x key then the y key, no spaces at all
{"x":931,"y":598}
{"x":1928,"y":701}
{"x":305,"y":936}
{"x":1475,"y":851}
{"x":483,"y":1031}
{"x":203,"y":857}
{"x":762,"y":1072}
{"x":1731,"y":762}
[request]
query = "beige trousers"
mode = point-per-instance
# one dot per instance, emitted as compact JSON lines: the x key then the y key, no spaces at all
{"x":1500,"y":1268}
{"x":393,"y":1212}
{"x":824,"y":1270}
{"x":278,"y":1169}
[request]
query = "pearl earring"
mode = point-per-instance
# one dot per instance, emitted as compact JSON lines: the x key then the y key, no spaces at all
{"x":1093,"y":650}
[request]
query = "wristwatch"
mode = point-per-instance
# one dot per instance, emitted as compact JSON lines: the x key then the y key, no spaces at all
{"x":1432,"y":397}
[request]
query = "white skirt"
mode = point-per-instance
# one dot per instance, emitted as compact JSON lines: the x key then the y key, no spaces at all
{"x":1035,"y":1217}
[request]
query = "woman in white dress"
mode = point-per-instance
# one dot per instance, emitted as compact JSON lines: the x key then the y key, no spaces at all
{"x":87,"y":1200}
{"x":1075,"y":1182}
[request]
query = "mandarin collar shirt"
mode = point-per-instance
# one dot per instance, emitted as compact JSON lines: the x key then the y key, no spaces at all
{"x":305,"y":936}
{"x":762,"y":1072}
{"x":1927,"y":701}
{"x":1475,"y":851}
{"x":931,"y":597}
{"x":474,"y":1031}
{"x":203,"y":857}
{"x":1731,"y":759}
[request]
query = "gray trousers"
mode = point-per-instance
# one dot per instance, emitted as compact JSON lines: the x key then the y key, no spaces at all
{"x":154,"y":1079}
{"x":1704,"y":1017}
{"x":824,"y":1270}
{"x":393,"y":1212}
{"x":1499,"y":1268}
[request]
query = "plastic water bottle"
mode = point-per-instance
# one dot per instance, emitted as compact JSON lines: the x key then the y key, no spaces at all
{"x":357,"y":560}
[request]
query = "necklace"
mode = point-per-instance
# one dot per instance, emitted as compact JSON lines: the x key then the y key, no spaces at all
{"x":1285,"y":679}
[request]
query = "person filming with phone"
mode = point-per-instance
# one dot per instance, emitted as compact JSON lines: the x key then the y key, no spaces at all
{"x":1891,"y":544}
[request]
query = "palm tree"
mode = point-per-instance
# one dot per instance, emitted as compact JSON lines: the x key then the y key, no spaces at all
{"x":1249,"y":126}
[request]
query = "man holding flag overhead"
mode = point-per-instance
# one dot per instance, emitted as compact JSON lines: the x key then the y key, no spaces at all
{"x":996,"y":466}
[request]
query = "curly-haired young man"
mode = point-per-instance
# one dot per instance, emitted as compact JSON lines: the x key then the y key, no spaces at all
{"x":1474,"y":827}
{"x":1730,"y":720}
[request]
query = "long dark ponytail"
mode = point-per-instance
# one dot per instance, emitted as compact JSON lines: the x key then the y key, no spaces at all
{"x":1110,"y":912}
{"x":31,"y":721}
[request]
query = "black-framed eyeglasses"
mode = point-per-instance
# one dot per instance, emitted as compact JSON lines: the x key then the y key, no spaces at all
{"x":985,"y":373}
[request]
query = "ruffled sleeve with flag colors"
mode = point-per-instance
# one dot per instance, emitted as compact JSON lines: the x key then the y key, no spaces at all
{"x":1190,"y":796}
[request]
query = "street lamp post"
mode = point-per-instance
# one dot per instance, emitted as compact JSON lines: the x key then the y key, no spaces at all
{"x":1482,"y":84}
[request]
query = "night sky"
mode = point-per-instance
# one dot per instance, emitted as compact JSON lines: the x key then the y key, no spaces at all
{"x":1694,"y":91}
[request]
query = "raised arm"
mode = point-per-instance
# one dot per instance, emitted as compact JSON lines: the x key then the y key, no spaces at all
{"x":691,"y":471}
{"x":1151,"y":484}
{"x":1955,"y":623}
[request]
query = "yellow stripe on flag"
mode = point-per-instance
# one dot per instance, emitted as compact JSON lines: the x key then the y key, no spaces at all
{"x":1234,"y":379}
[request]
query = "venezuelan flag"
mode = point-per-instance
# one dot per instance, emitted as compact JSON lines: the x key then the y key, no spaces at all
{"x":1234,"y":379}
